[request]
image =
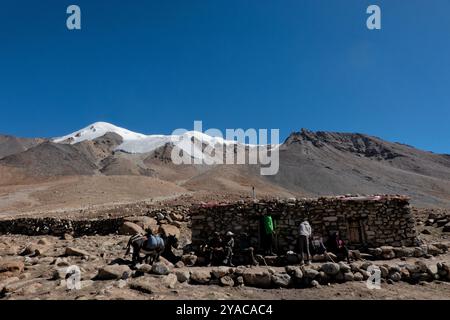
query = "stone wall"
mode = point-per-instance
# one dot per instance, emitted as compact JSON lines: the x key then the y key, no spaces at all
{"x":363,"y":221}
{"x":56,"y":226}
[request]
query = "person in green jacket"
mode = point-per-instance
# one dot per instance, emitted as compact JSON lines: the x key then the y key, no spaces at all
{"x":269,"y":229}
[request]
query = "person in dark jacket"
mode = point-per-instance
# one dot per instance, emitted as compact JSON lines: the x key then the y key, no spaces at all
{"x":215,"y":248}
{"x":246,"y":250}
{"x":336,"y":245}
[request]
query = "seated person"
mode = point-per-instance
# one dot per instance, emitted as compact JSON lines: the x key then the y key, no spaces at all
{"x":317,"y":246}
{"x":246,"y":249}
{"x":336,"y":245}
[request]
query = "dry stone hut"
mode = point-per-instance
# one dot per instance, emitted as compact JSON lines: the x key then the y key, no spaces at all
{"x":362,"y":221}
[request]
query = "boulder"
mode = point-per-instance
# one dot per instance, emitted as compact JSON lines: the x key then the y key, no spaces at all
{"x":67,"y":236}
{"x":310,"y":273}
{"x":168,"y":229}
{"x":176,"y":216}
{"x":219,"y":272}
{"x":419,"y":252}
{"x":281,"y":280}
{"x":200,"y":276}
{"x":182,"y":275}
{"x":31,"y":261}
{"x":324,"y":257}
{"x":166,"y":262}
{"x":422,"y":265}
{"x":44,"y":242}
{"x":412,"y":268}
{"x":403,"y":252}
{"x":12,"y":266}
{"x":114,"y":272}
{"x":393,"y":269}
{"x":315,"y":284}
{"x":189,"y":259}
{"x":130,"y":228}
{"x":323,"y":277}
{"x":239,"y":271}
{"x":357,"y":276}
{"x":366,"y":265}
{"x":179,"y":264}
{"x":384,"y":271}
{"x":145,"y":268}
{"x":33,"y":250}
{"x":339,"y":277}
{"x":348,"y":276}
{"x":405,"y":274}
{"x":418,"y":277}
{"x":376,"y":252}
{"x":441,"y":246}
{"x":365,"y":274}
{"x":434,"y":251}
{"x":387,"y":252}
{"x":61,"y":262}
{"x":70,"y":251}
{"x":330,"y":268}
{"x":227,"y":281}
{"x":170,"y":280}
{"x":356,"y":254}
{"x":396,"y":276}
{"x":295,"y":272}
{"x":144,"y":222}
{"x":446,"y":227}
{"x":257,"y":277}
{"x":143,"y":284}
{"x":160,"y":268}
{"x":344,"y":267}
{"x":5,"y":282}
{"x":354,"y":267}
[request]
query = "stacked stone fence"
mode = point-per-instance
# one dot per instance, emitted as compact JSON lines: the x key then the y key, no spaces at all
{"x":56,"y":226}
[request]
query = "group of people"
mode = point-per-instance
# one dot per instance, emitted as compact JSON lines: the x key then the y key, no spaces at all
{"x":313,"y":243}
{"x":222,"y":250}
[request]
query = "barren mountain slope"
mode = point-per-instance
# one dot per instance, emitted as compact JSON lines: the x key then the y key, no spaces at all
{"x":336,"y":163}
{"x":10,"y":145}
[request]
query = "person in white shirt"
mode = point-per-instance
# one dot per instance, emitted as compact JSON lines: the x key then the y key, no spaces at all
{"x":304,"y":232}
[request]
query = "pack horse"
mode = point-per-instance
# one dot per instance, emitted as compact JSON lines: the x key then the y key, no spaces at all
{"x":152,"y":246}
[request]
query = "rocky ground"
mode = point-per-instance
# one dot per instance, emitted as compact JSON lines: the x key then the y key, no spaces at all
{"x":36,"y":268}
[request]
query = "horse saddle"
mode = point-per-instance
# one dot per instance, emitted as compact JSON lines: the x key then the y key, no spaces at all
{"x":153,"y":243}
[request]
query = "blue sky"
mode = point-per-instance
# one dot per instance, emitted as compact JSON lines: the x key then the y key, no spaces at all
{"x":154,"y":66}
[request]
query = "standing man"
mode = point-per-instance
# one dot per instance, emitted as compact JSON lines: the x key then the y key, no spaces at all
{"x":268,"y":234}
{"x":229,"y":245}
{"x":304,"y":232}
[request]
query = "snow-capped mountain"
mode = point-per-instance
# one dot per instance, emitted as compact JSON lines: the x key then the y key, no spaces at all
{"x":134,"y":142}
